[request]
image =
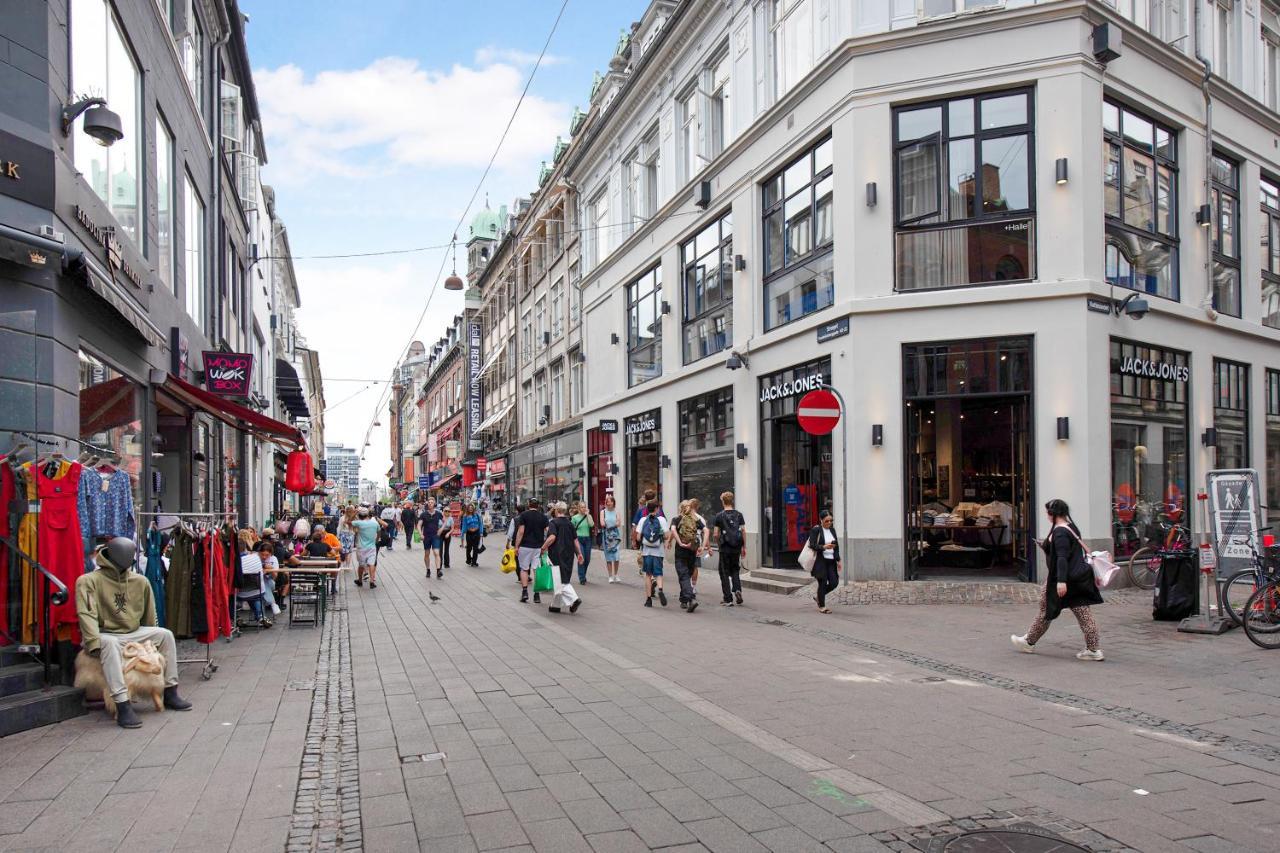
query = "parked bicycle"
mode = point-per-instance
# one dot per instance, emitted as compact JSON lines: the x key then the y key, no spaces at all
{"x":1241,"y":586}
{"x":1144,"y":565}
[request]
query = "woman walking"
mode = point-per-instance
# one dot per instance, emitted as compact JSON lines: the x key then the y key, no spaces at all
{"x":472,"y":530}
{"x":827,"y":567}
{"x":347,"y":538}
{"x":582,"y":526}
{"x":563,"y":546}
{"x":611,"y":536}
{"x":1069,"y":584}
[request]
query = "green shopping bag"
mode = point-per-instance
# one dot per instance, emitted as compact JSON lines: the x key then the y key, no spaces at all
{"x":417,"y":535}
{"x":542,"y":581}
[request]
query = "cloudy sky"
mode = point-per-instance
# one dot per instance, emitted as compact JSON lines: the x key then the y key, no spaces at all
{"x":378,"y":128}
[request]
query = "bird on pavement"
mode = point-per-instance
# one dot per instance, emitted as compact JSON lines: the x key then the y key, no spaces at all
{"x":433,"y":596}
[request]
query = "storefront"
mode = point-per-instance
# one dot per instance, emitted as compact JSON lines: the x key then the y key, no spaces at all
{"x":495,"y":474}
{"x":967,"y":458}
{"x":111,"y":410}
{"x":706,"y":449}
{"x":600,"y":464}
{"x":558,"y":468}
{"x":520,"y":477}
{"x":796,"y":466}
{"x":643,"y":437}
{"x":1150,"y":423}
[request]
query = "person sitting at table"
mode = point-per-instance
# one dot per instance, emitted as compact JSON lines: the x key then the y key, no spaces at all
{"x":270,"y":574}
{"x":317,"y":548}
{"x":335,"y":544}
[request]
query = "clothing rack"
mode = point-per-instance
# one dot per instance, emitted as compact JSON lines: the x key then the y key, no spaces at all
{"x":102,"y":451}
{"x":210,"y":667}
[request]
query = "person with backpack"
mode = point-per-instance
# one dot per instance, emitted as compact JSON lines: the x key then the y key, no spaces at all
{"x":651,"y":534}
{"x":730,"y":533}
{"x":610,"y":536}
{"x":582,"y":526}
{"x":563,"y":548}
{"x":1069,"y":585}
{"x":687,"y":536}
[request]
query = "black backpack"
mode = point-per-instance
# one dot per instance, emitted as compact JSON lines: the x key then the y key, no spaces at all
{"x":651,"y":531}
{"x":731,"y":530}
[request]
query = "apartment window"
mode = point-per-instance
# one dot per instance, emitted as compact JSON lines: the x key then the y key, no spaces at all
{"x":526,"y":337}
{"x":557,"y":391}
{"x":644,"y":327}
{"x":687,"y":112}
{"x":540,"y":398}
{"x":719,"y":119}
{"x":557,"y":308}
{"x":791,"y":33}
{"x":191,"y":47}
{"x":165,"y":190}
{"x":706,"y":263}
{"x":1225,"y":39}
{"x":597,"y":229}
{"x":577,"y":380}
{"x":1273,"y":444}
{"x":540,"y":322}
{"x":1162,"y":18}
{"x":102,"y":64}
{"x":193,"y":254}
{"x":1271,"y":61}
{"x":1270,"y":255}
{"x":1231,"y":413}
{"x":641,"y":188}
{"x":798,"y":273}
{"x":965,"y":204}
{"x":526,"y":406}
{"x":940,"y":8}
{"x":1224,"y":192}
{"x":575,"y":294}
{"x":1140,"y":194}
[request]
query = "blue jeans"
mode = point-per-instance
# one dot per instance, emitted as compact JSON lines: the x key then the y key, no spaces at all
{"x":585,"y":543}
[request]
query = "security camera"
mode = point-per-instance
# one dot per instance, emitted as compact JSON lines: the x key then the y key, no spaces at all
{"x":1138,"y":308}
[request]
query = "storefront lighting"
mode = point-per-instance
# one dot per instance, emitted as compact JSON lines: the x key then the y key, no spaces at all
{"x":613,"y":338}
{"x":1064,"y":428}
{"x":1132,"y":305}
{"x":739,"y":263}
{"x":871,"y":194}
{"x":1210,"y":437}
{"x":877,"y":435}
{"x":1204,"y":216}
{"x":613,"y":469}
{"x":665,"y":462}
{"x":741,"y":450}
{"x":100,"y":123}
{"x":1060,"y":170}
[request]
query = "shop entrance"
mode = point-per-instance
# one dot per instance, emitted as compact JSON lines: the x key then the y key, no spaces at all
{"x":643,"y":436}
{"x":969,"y":477}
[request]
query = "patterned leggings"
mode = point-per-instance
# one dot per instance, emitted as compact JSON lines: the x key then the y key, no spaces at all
{"x":1083,"y":615}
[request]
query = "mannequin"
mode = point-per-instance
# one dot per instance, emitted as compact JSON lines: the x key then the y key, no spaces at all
{"x":115,"y":606}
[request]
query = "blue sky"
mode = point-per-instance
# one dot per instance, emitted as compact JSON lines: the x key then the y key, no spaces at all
{"x":379,"y":117}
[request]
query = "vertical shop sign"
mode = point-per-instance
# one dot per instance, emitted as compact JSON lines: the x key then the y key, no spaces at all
{"x":473,"y":397}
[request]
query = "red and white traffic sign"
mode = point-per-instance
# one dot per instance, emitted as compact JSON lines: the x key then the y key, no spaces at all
{"x":819,"y":412}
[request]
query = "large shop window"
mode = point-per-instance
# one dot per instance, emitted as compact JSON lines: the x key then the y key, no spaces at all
{"x":1150,"y":466}
{"x":706,"y":449}
{"x":643,"y":438}
{"x":1273,"y":444}
{"x":1140,"y":191}
{"x":111,"y":417}
{"x":707,"y":264}
{"x":799,"y":276}
{"x":1231,"y":413}
{"x":644,"y":328}
{"x":1270,"y":193}
{"x":1225,"y":190}
{"x":103,"y":64}
{"x":965,"y":199}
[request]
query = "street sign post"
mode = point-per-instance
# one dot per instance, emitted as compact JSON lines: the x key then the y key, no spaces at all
{"x":818,"y":412}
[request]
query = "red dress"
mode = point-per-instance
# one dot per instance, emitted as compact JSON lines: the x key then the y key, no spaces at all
{"x":217,"y":586}
{"x":60,"y":548}
{"x":6,"y":497}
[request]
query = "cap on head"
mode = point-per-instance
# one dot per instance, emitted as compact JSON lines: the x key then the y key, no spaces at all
{"x":363,"y":513}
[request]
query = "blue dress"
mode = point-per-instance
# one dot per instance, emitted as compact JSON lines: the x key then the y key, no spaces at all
{"x":612,"y":536}
{"x":155,"y":573}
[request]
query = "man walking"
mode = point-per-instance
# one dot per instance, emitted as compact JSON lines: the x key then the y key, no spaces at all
{"x":391,"y":517}
{"x":651,"y":532}
{"x":367,"y":547}
{"x":409,"y":521}
{"x":531,"y":534}
{"x":688,"y":538}
{"x":431,"y":520}
{"x":730,"y":530}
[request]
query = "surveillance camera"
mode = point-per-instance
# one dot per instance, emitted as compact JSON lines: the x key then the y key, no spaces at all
{"x":1137,"y":308}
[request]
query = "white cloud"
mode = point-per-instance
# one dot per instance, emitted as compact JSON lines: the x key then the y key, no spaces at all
{"x":492,"y":54}
{"x":393,"y":114}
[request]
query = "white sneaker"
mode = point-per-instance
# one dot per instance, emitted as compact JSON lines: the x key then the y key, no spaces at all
{"x":1090,"y":655}
{"x":1021,"y":644}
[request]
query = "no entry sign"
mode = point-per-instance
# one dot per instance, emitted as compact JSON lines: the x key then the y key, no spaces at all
{"x":819,"y":412}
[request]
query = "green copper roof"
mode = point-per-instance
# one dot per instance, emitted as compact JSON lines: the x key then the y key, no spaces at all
{"x":487,"y":224}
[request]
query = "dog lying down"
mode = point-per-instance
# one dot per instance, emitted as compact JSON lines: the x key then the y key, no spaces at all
{"x":143,"y":675}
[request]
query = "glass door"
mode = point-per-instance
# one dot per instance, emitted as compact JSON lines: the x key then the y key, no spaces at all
{"x":797,"y":486}
{"x":1022,"y":529}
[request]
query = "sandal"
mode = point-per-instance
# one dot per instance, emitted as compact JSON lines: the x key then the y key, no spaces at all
{"x":824,"y":609}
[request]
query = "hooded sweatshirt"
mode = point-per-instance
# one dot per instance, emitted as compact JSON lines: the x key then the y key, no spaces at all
{"x":111,"y":601}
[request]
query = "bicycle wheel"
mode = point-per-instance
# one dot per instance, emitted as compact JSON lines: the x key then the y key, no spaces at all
{"x":1261,"y":616}
{"x":1143,"y":566}
{"x":1237,"y":591}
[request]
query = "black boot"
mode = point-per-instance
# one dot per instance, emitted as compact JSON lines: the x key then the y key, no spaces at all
{"x":126,"y":717}
{"x":173,"y":701}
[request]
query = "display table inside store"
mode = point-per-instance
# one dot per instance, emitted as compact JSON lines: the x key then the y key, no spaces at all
{"x":959,"y":545}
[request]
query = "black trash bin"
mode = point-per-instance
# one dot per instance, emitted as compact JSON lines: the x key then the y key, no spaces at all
{"x":1177,"y":591}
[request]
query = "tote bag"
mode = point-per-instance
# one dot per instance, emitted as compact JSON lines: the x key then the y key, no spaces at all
{"x":542,"y":580}
{"x":808,"y":557}
{"x":1105,"y":570}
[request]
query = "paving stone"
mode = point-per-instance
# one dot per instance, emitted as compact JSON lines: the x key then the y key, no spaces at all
{"x":722,"y":835}
{"x":480,"y":797}
{"x":559,"y":835}
{"x":534,"y":805}
{"x":748,"y":813}
{"x":617,"y":842}
{"x":789,"y":840}
{"x":387,"y":810}
{"x":594,"y":816}
{"x":496,"y":830}
{"x":685,"y":805}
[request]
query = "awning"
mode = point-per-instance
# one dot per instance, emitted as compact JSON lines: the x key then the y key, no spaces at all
{"x":107,"y":405}
{"x":100,"y":283}
{"x":442,"y":483}
{"x":493,"y":358}
{"x":492,"y":420}
{"x":224,"y":410}
{"x":289,"y":390}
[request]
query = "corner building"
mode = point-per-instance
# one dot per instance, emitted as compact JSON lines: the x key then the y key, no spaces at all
{"x":941,"y":209}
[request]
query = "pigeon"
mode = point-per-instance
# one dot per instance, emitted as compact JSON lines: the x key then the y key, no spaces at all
{"x":433,"y":596}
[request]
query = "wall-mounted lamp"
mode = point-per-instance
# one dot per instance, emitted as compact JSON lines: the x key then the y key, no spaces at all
{"x":877,"y":435}
{"x":1210,"y":437}
{"x":581,"y":356}
{"x":100,"y":123}
{"x":582,"y":473}
{"x":736,"y":360}
{"x":613,"y":338}
{"x":1064,"y":428}
{"x":1060,"y":170}
{"x":741,"y":451}
{"x":1204,"y":216}
{"x":665,"y":461}
{"x":1132,"y":305}
{"x":613,"y":468}
{"x":739,"y":263}
{"x":871,"y":194}
{"x":702,"y":195}
{"x":666,"y":307}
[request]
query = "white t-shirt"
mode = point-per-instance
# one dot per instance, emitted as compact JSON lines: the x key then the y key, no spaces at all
{"x":651,"y":550}
{"x":390,"y":514}
{"x":828,"y":544}
{"x":251,"y":564}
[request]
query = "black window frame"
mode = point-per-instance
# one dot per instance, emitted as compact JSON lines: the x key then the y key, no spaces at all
{"x":1114,"y":224}
{"x":979,"y":218}
{"x":689,"y":318}
{"x":819,"y":254}
{"x":634,"y":299}
{"x":714,"y":410}
{"x":1271,"y":442}
{"x":1224,"y":182}
{"x":1270,"y":187}
{"x":1231,"y":396}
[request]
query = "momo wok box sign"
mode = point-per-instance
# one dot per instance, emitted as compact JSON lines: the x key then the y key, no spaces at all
{"x":228,"y":373}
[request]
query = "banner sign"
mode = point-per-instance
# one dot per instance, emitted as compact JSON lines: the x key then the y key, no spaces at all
{"x":424,"y":483}
{"x":1233,"y":518}
{"x":473,"y":372}
{"x":228,"y":373}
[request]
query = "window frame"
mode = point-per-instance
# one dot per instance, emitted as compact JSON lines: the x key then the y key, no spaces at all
{"x":1270,"y":222}
{"x":166,"y":202}
{"x":652,"y":277}
{"x":195,"y":279}
{"x":723,"y":248}
{"x":816,"y":251}
{"x":557,"y":309}
{"x":689,"y":119}
{"x":979,"y":217}
{"x":1238,"y":376}
{"x":1218,"y":189}
{"x":557,"y":400}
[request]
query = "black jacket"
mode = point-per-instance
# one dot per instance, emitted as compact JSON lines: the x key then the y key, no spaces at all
{"x":816,"y":543}
{"x":1064,"y":557}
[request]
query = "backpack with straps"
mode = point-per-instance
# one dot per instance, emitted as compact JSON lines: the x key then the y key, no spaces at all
{"x":731,"y":531}
{"x":651,"y":533}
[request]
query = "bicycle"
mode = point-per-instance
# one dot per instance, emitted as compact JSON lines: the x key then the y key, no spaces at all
{"x":1241,"y":586}
{"x":1144,"y":565}
{"x":1261,"y":620}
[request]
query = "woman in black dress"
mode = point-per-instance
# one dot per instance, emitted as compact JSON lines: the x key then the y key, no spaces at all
{"x":1069,"y":584}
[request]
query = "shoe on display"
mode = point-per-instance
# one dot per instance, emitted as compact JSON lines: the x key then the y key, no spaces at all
{"x":1021,"y":644}
{"x":1088,"y":654}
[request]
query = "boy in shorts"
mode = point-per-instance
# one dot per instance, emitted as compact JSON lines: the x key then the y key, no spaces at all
{"x":652,"y":531}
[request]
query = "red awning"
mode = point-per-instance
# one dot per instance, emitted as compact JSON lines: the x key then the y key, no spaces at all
{"x":238,"y":416}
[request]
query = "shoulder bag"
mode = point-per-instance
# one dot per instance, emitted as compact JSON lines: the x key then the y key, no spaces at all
{"x":1105,"y":570}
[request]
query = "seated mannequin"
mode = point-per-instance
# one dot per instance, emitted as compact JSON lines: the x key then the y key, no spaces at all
{"x":115,"y":606}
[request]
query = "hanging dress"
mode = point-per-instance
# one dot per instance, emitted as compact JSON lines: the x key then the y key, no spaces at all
{"x":155,"y":573}
{"x":59,"y":541}
{"x":29,"y":543}
{"x":177,"y":587}
{"x":6,"y":596}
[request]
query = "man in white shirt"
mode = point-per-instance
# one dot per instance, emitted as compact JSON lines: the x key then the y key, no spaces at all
{"x":391,"y":515}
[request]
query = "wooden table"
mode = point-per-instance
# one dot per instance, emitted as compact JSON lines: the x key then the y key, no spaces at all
{"x":325,"y":572}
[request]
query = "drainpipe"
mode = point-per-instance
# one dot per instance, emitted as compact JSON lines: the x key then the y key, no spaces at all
{"x":1206,"y":302}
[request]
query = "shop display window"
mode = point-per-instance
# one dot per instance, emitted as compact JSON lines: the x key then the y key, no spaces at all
{"x":111,"y":416}
{"x":706,"y":261}
{"x":706,"y":449}
{"x":1273,"y":444}
{"x":1140,"y":192}
{"x":1150,"y":466}
{"x":644,"y":327}
{"x":1231,"y":413}
{"x":964,"y":196}
{"x":798,"y":237}
{"x":795,"y":466}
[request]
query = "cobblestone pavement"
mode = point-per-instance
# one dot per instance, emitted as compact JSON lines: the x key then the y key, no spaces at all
{"x":485,"y":724}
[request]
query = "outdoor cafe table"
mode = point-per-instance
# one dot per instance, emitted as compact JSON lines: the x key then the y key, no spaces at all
{"x":325,"y":570}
